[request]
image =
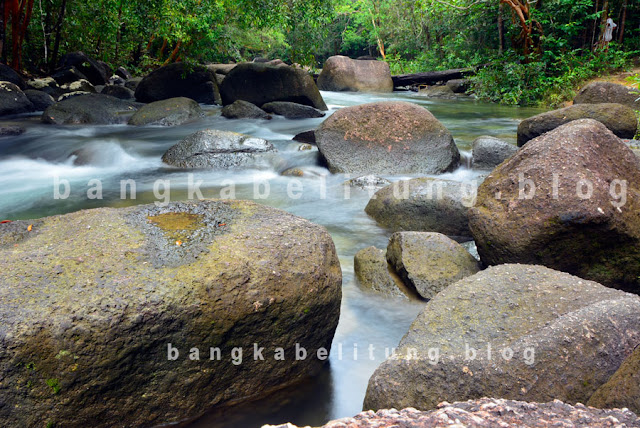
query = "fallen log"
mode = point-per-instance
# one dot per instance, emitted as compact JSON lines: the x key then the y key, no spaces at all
{"x":431,"y":77}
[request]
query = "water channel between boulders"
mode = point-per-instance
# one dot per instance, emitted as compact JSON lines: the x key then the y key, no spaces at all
{"x":31,"y":163}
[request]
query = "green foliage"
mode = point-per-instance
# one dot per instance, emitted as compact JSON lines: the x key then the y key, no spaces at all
{"x":54,"y":384}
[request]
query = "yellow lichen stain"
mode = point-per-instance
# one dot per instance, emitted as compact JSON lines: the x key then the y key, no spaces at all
{"x":177,"y":226}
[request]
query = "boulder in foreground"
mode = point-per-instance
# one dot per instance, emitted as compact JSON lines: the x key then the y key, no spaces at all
{"x":518,"y":332}
{"x":91,"y":300}
{"x":386,"y":138}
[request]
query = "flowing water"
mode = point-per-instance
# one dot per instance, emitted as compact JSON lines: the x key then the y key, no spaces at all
{"x":31,"y":164}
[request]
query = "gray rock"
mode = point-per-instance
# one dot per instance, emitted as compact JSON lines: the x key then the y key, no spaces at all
{"x":133,"y":83}
{"x":386,"y":138}
{"x":429,"y":262}
{"x":552,"y":336}
{"x":607,"y":92}
{"x":442,"y":92}
{"x":170,"y":112}
{"x":116,"y":80}
{"x":118,"y":91}
{"x":594,"y":234}
{"x":240,"y":109}
{"x":39,"y":99}
{"x":368,"y":182}
{"x":179,"y":80}
{"x":292,"y":110}
{"x":124,"y":73}
{"x":212,"y":148}
{"x":459,"y":86}
{"x":91,"y":301}
{"x":341,"y":73}
{"x":306,"y":137}
{"x":489,"y":152}
{"x":94,"y":70}
{"x":374,"y":273}
{"x":79,"y":86}
{"x":620,"y":119}
{"x":95,"y":109}
{"x":261,"y":83}
{"x":424,"y":205}
{"x":13,"y":100}
{"x":8,"y":74}
{"x":223,"y":69}
{"x":11,"y":130}
{"x":67,"y":95}
{"x":623,"y":389}
{"x":68,"y":75}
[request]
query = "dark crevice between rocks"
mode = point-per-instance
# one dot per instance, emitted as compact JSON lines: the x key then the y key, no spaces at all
{"x":407,"y":288}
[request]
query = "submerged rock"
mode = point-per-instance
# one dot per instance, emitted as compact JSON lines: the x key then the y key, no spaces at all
{"x":511,"y":331}
{"x":95,"y":109}
{"x":241,"y":109}
{"x":425,"y":205}
{"x":170,"y":112}
{"x":341,"y":73}
{"x":429,"y":262}
{"x":386,"y":138}
{"x":292,"y":110}
{"x":212,"y":148}
{"x":459,"y":86}
{"x":90,"y":302}
{"x":568,"y":200}
{"x":489,"y":152}
{"x":441,"y":91}
{"x":620,"y":119}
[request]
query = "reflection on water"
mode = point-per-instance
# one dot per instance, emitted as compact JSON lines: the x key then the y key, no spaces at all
{"x":369,"y":326}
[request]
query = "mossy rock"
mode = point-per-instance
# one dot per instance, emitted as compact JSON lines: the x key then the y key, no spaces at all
{"x":169,"y":112}
{"x":91,"y":300}
{"x":623,"y":389}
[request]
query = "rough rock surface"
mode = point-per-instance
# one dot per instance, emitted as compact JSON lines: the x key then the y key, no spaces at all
{"x":261,"y":83}
{"x":489,"y":413}
{"x":8,"y":74}
{"x":179,"y":80}
{"x":13,"y":100}
{"x":373,"y":273}
{"x":424,"y":205}
{"x":594,"y":235}
{"x":538,"y":335}
{"x":386,"y":138}
{"x":118,"y":91}
{"x":620,"y":119}
{"x":212,"y":148}
{"x":90,"y":301}
{"x":489,"y":152}
{"x":607,"y":92}
{"x":292,"y":110}
{"x":11,"y":130}
{"x":241,"y":109}
{"x":459,"y":86}
{"x":68,"y":75}
{"x":95,"y":71}
{"x":341,"y":73}
{"x":39,"y":99}
{"x":306,"y":137}
{"x":429,"y":262}
{"x":169,"y":112}
{"x":95,"y":109}
{"x":368,"y":182}
{"x":438,"y":91}
{"x":623,"y":389}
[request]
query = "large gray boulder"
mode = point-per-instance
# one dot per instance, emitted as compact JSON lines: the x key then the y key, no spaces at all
{"x":212,"y":148}
{"x":13,"y":100}
{"x":386,"y":138}
{"x":607,"y":92}
{"x":94,"y":109}
{"x":292,"y":110}
{"x":582,"y":217}
{"x":429,"y":262}
{"x":374,"y":273}
{"x":179,"y":80}
{"x":424,"y":205}
{"x":620,"y":119}
{"x":170,"y":112}
{"x":241,"y":109}
{"x":341,"y":73}
{"x":512,"y":331}
{"x":489,"y":152}
{"x":261,"y":83}
{"x":91,"y":301}
{"x":40,"y":100}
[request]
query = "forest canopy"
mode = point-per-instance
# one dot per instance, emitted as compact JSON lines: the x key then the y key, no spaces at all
{"x":515,"y":41}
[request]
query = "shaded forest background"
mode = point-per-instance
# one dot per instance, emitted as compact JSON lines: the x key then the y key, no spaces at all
{"x":529,"y":52}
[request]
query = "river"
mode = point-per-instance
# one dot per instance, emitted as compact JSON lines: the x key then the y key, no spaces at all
{"x":369,"y":327}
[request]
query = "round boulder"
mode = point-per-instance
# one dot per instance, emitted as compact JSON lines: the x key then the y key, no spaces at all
{"x":118,"y":91}
{"x":170,"y":112}
{"x":425,"y":205}
{"x":95,"y":109}
{"x":212,"y":148}
{"x":261,"y":83}
{"x":13,"y":100}
{"x":40,"y":100}
{"x":489,"y":152}
{"x":8,"y":74}
{"x":620,"y":119}
{"x":429,"y":262}
{"x":241,"y":109}
{"x":94,"y":71}
{"x":292,"y":110}
{"x":179,"y":80}
{"x":607,"y":92}
{"x":386,"y":138}
{"x":512,"y":331}
{"x":141,"y":315}
{"x":569,"y":200}
{"x":341,"y":73}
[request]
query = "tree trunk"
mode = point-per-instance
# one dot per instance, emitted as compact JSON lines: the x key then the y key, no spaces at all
{"x":3,"y":30}
{"x":622,"y":22}
{"x":500,"y":29}
{"x":20,"y":16}
{"x":58,"y":30}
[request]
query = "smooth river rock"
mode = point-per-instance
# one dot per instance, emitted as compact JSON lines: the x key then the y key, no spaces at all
{"x":179,"y":80}
{"x":169,"y":112}
{"x":341,"y":73}
{"x":489,"y":152}
{"x":241,"y":109}
{"x":582,"y":217}
{"x":608,"y":92}
{"x":393,"y":137}
{"x":518,"y":332}
{"x":13,"y":100}
{"x":374,"y":273}
{"x":90,"y":301}
{"x":89,"y":109}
